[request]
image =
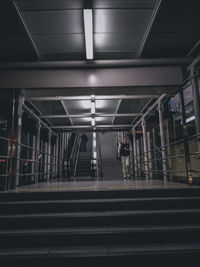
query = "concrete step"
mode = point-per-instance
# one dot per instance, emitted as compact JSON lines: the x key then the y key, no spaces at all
{"x":106,"y":218}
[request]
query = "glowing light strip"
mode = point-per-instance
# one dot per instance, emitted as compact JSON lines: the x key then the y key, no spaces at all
{"x":88,"y":26}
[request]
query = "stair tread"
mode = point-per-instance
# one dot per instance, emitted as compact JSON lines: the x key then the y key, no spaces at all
{"x":104,"y":213}
{"x":96,"y":251}
{"x":100,"y":230}
{"x":27,"y":202}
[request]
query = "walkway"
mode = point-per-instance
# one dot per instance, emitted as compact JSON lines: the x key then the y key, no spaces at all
{"x":61,"y":185}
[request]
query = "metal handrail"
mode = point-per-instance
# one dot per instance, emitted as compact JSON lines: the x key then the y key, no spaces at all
{"x":76,"y":158}
{"x":99,"y":159}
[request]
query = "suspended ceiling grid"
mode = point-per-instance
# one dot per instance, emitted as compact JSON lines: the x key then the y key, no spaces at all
{"x":81,"y":107}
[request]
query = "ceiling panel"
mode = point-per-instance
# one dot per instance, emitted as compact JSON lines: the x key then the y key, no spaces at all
{"x":119,"y":31}
{"x":121,"y":20}
{"x":78,"y":106}
{"x":54,"y":22}
{"x":104,"y":120}
{"x":50,"y":4}
{"x":175,"y":30}
{"x":115,"y":41}
{"x":14,"y":44}
{"x":124,"y":120}
{"x":124,"y":3}
{"x":60,"y":122}
{"x":50,"y":107}
{"x":106,"y":106}
{"x":82,"y":121}
{"x":60,"y":43}
{"x":132,"y":105}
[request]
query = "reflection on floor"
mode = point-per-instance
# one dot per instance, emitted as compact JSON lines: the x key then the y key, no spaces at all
{"x":60,"y":185}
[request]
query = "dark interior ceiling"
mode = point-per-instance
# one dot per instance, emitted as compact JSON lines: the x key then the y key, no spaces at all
{"x":120,"y":27}
{"x":49,"y":30}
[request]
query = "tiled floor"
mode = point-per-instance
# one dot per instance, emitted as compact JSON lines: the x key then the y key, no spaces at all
{"x":60,"y":185}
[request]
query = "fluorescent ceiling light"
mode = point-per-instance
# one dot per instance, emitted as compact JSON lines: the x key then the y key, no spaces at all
{"x":93,"y":122}
{"x":93,"y":107}
{"x":87,"y":16}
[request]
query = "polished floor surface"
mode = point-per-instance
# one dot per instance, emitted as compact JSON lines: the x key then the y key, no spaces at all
{"x":60,"y":185}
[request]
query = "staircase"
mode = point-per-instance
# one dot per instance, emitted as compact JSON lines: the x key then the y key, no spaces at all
{"x":100,"y":228}
{"x":84,"y":160}
{"x":112,"y":169}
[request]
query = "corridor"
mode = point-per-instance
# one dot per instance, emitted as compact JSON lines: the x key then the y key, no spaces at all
{"x":126,"y":75}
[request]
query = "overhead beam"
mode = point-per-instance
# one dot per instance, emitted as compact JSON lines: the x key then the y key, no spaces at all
{"x":33,"y":44}
{"x":92,"y":78}
{"x":152,"y":107}
{"x":38,"y":118}
{"x":114,"y":63}
{"x":91,"y":115}
{"x":149,"y":28}
{"x":82,"y":98}
{"x":66,"y":112}
{"x":91,"y":127}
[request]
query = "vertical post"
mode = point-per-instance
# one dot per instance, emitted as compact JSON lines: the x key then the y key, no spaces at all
{"x":56,"y":157}
{"x":155,"y":165}
{"x":33,"y":156}
{"x":135,"y":154}
{"x":196,"y":101}
{"x":37,"y":153}
{"x":138,"y":158}
{"x":149,"y":154}
{"x":19,"y":133}
{"x":169,"y":161}
{"x":144,"y":132}
{"x":185,"y":138}
{"x":15,"y":102}
{"x":162,"y":138}
{"x":49,"y":157}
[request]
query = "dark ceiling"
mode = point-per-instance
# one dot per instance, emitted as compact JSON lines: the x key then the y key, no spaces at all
{"x":53,"y":30}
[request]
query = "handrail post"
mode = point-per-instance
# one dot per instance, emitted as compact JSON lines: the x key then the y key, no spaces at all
{"x":144,"y":132}
{"x":185,"y":139}
{"x":135,"y":155}
{"x":162,"y":139}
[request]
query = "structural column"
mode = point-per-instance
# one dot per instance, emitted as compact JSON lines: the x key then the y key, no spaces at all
{"x":49,"y":156}
{"x":144,"y":132}
{"x":15,"y":108}
{"x":185,"y":138}
{"x":135,"y":155}
{"x":149,"y":154}
{"x":138,"y":158}
{"x":162,"y":139}
{"x":37,"y":158}
{"x":196,"y":100}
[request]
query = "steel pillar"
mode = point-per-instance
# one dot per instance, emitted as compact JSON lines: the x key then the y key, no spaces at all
{"x":144,"y":132}
{"x":19,"y":132}
{"x":135,"y":155}
{"x":138,"y":158}
{"x":56,"y":156}
{"x":155,"y":165}
{"x":196,"y":101}
{"x":185,"y":138}
{"x":37,"y":154}
{"x":49,"y":157}
{"x":162,"y":139}
{"x":149,"y":154}
{"x":33,"y":156}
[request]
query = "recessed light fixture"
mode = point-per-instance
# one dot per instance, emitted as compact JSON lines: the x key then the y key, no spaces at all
{"x":88,"y":27}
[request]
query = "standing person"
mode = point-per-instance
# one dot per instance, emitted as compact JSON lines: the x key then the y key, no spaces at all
{"x":84,"y":140}
{"x":124,"y":152}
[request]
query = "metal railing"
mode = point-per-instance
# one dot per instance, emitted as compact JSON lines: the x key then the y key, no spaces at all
{"x":182,"y":166}
{"x":16,"y":170}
